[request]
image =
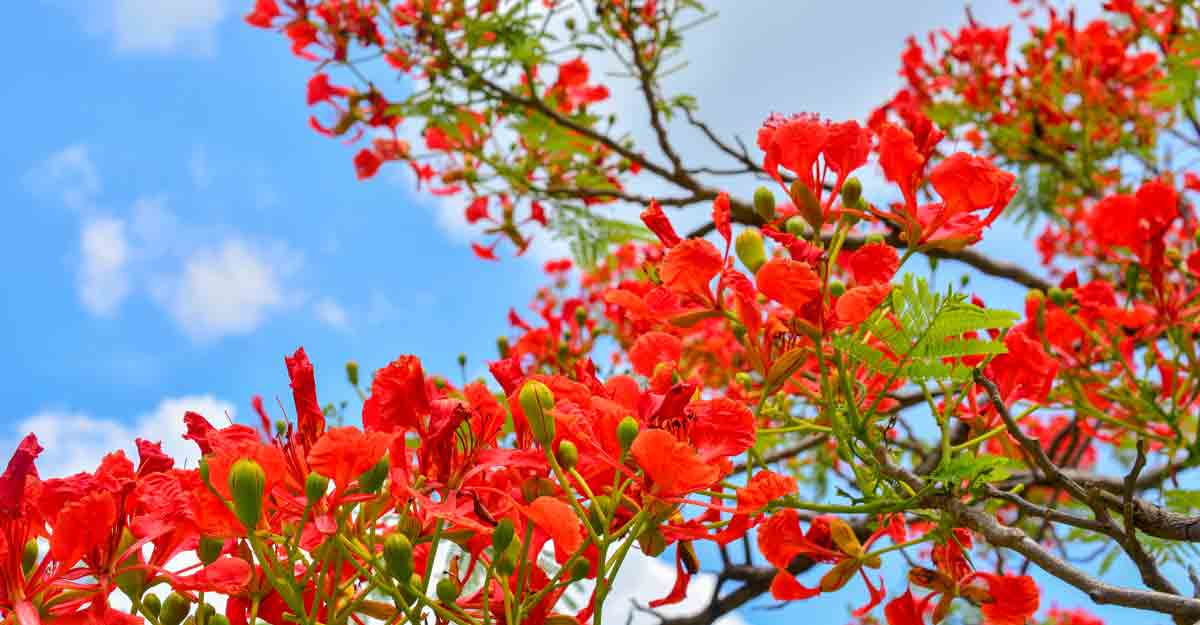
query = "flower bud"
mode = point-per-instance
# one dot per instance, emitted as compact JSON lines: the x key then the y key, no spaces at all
{"x":398,"y":556}
{"x":1059,"y":296}
{"x":536,"y":402}
{"x":836,"y":287}
{"x":209,"y":549}
{"x":448,"y":589}
{"x":372,"y":478}
{"x":281,"y":428}
{"x":218,"y":619}
{"x":152,"y":604}
{"x":315,"y":487}
{"x":795,"y":226}
{"x":599,"y":510}
{"x":174,"y":609}
{"x":580,"y":569}
{"x":202,"y":469}
{"x":462,"y":360}
{"x":627,"y":430}
{"x":411,"y":589}
{"x":568,"y":455}
{"x":535,"y":487}
{"x":502,"y":346}
{"x":247,"y":483}
{"x":352,"y":372}
{"x":851,"y":192}
{"x":204,"y":612}
{"x":506,"y":564}
{"x":502,"y":535}
{"x":750,"y":249}
{"x":29,"y":556}
{"x":764,"y":203}
{"x":806,"y":202}
{"x":874,"y":237}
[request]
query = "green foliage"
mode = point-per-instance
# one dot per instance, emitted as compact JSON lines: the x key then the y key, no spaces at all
{"x":590,"y":236}
{"x":924,"y":329}
{"x":972,"y":468}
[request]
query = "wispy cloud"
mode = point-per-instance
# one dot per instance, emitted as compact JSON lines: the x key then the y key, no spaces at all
{"x":331,"y":313}
{"x":103,"y":265}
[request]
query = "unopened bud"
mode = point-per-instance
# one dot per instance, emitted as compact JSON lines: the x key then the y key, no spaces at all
{"x":209,"y":549}
{"x":750,"y":249}
{"x":567,"y":455}
{"x":627,"y":431}
{"x":372,"y":478}
{"x":806,"y":202}
{"x":795,"y":226}
{"x":506,"y":564}
{"x":462,"y":360}
{"x":448,"y":589}
{"x":281,"y":428}
{"x":398,"y":556}
{"x":580,"y":569}
{"x":502,"y":346}
{"x":1059,"y":296}
{"x":535,"y":487}
{"x":218,"y":619}
{"x":851,"y":192}
{"x":315,"y":487}
{"x":152,"y":604}
{"x":502,"y":535}
{"x":581,"y":314}
{"x":247,"y":484}
{"x":352,"y":372}
{"x":174,"y":609}
{"x":836,"y":287}
{"x":536,"y":402}
{"x":29,"y":556}
{"x":764,"y":203}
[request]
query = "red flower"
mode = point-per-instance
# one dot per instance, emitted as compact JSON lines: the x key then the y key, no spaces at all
{"x":265,"y":11}
{"x":904,"y":610}
{"x":559,"y":520}
{"x":366,"y":163}
{"x":765,"y":487}
{"x":1026,"y":371}
{"x":398,"y":397}
{"x":652,"y":348}
{"x":690,"y":266}
{"x":790,"y":282}
{"x":854,"y":306}
{"x":657,"y":222}
{"x":872,"y":263}
{"x":1013,"y":599}
{"x":345,"y":453}
{"x":310,"y":420}
{"x":673,"y":466}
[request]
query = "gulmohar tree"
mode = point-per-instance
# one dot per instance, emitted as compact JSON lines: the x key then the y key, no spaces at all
{"x":775,"y":378}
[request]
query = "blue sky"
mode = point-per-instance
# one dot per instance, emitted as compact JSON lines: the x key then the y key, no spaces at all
{"x":174,"y":228}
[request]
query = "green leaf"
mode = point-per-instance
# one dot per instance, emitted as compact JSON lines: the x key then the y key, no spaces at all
{"x":973,"y":468}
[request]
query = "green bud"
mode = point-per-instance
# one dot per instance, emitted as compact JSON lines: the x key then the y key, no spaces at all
{"x":409,"y":526}
{"x":536,"y":402}
{"x":202,"y":469}
{"x":506,"y":564}
{"x":795,"y":226}
{"x":580,"y":569}
{"x":398,"y":556}
{"x":315,"y":487}
{"x":247,"y":483}
{"x":581,"y":315}
{"x":535,"y":487}
{"x":281,"y":428}
{"x":568,"y":455}
{"x":372,"y":478}
{"x":218,"y":619}
{"x":413,"y":588}
{"x":599,"y":510}
{"x":352,"y":372}
{"x":152,"y":604}
{"x":462,"y":360}
{"x":750,"y":249}
{"x":29,"y":557}
{"x":1059,"y":296}
{"x":764,"y":203}
{"x":836,"y":287}
{"x":851,"y":192}
{"x":204,"y":612}
{"x":502,"y":346}
{"x":627,"y":430}
{"x":448,"y":589}
{"x":502,"y":535}
{"x":743,"y":379}
{"x":209,"y":549}
{"x":806,"y":202}
{"x":874,"y":237}
{"x":175,"y":608}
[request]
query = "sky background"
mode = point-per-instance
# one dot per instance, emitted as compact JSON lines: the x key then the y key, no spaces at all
{"x":174,"y":228}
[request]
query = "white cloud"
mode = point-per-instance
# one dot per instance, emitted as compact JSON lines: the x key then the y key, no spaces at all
{"x":226,"y":290}
{"x":331,"y":313}
{"x":76,"y":441}
{"x":644,"y":579}
{"x":103,"y":270}
{"x":68,"y":174}
{"x":166,"y":25}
